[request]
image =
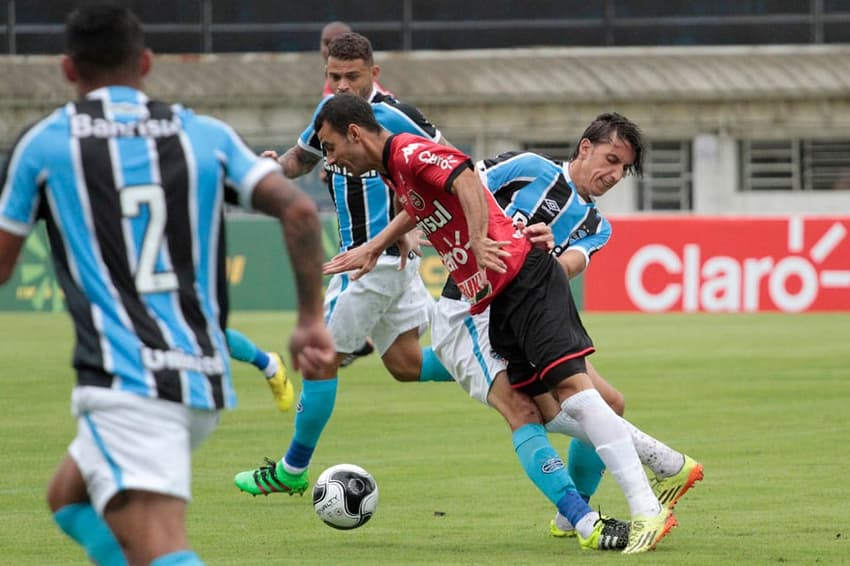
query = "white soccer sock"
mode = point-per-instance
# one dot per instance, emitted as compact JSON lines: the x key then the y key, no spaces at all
{"x":622,"y":462}
{"x":613,"y":443}
{"x":657,"y":456}
{"x":565,"y":424}
{"x":586,"y":524}
{"x":294,"y":470}
{"x":563,"y":523}
{"x":270,"y":369}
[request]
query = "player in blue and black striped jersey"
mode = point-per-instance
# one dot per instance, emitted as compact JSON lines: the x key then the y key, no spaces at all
{"x":390,"y":305}
{"x":551,"y":197}
{"x":132,"y":192}
{"x":241,"y":347}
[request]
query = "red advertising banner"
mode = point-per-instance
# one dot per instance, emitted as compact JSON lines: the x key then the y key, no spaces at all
{"x":722,"y":264}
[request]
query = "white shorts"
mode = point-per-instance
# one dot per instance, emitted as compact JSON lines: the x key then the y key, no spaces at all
{"x":462,"y":343}
{"x":125,"y":441}
{"x":382,"y":304}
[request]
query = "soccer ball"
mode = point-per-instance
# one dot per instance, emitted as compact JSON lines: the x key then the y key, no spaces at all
{"x":345,"y":496}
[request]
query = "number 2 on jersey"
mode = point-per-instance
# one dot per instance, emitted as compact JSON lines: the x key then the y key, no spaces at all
{"x":132,"y":199}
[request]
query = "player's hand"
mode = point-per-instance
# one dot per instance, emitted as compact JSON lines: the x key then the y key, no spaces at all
{"x":362,"y":259}
{"x":270,"y":153}
{"x":489,"y":254}
{"x":540,"y":235}
{"x":312,"y":349}
{"x":409,"y":243}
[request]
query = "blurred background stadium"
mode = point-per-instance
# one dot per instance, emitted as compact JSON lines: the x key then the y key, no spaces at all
{"x":746,"y":105}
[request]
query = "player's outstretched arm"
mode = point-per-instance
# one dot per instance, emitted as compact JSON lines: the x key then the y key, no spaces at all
{"x":311,"y":346}
{"x":295,"y":162}
{"x":364,"y":257}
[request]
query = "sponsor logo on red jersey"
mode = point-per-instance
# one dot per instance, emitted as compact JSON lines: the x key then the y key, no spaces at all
{"x":434,"y":221}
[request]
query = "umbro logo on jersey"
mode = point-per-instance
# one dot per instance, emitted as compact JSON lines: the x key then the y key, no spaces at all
{"x":551,"y":205}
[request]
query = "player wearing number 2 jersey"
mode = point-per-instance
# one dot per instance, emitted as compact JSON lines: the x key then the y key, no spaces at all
{"x":132,"y":193}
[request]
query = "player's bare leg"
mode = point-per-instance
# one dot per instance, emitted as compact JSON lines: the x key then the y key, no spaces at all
{"x":148,"y":525}
{"x":68,"y":499}
{"x":408,"y":362}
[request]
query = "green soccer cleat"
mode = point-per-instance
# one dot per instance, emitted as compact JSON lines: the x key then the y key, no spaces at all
{"x":280,"y":385}
{"x":670,"y":490}
{"x":271,"y":478}
{"x":608,"y":534}
{"x":647,"y":532}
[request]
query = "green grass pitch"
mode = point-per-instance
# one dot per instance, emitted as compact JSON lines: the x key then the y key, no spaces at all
{"x":763,"y":401}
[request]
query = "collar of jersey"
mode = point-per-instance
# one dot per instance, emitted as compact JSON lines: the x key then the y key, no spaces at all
{"x":566,"y":169}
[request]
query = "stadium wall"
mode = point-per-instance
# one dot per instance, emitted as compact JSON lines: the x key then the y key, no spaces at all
{"x":715,"y":98}
{"x":486,"y":101}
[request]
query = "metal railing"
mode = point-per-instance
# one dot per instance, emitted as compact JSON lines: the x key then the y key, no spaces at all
{"x":811,"y":24}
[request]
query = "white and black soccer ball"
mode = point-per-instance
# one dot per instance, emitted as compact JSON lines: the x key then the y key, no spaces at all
{"x":345,"y":496}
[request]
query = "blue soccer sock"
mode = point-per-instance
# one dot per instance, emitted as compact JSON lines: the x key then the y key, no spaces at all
{"x":545,"y":468}
{"x":242,"y":349}
{"x":314,"y":411}
{"x":178,"y":558}
{"x":82,"y":523}
{"x":432,"y":369}
{"x":585,"y":467}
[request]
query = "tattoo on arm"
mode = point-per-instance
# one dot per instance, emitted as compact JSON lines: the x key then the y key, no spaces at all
{"x":296,"y":162}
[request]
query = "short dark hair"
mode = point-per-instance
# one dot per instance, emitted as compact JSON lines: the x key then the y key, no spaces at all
{"x":351,"y":46}
{"x":343,"y":109}
{"x":602,"y":130}
{"x":103,"y":37}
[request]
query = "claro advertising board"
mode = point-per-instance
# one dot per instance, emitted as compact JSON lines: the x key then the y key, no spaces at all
{"x":722,"y":264}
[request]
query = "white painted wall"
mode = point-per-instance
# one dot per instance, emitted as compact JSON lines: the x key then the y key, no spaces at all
{"x":716,"y":186}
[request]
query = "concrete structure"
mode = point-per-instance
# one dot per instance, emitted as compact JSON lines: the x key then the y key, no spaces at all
{"x":493,"y":100}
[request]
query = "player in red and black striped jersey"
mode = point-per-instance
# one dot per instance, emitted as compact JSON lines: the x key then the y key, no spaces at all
{"x":534,"y":323}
